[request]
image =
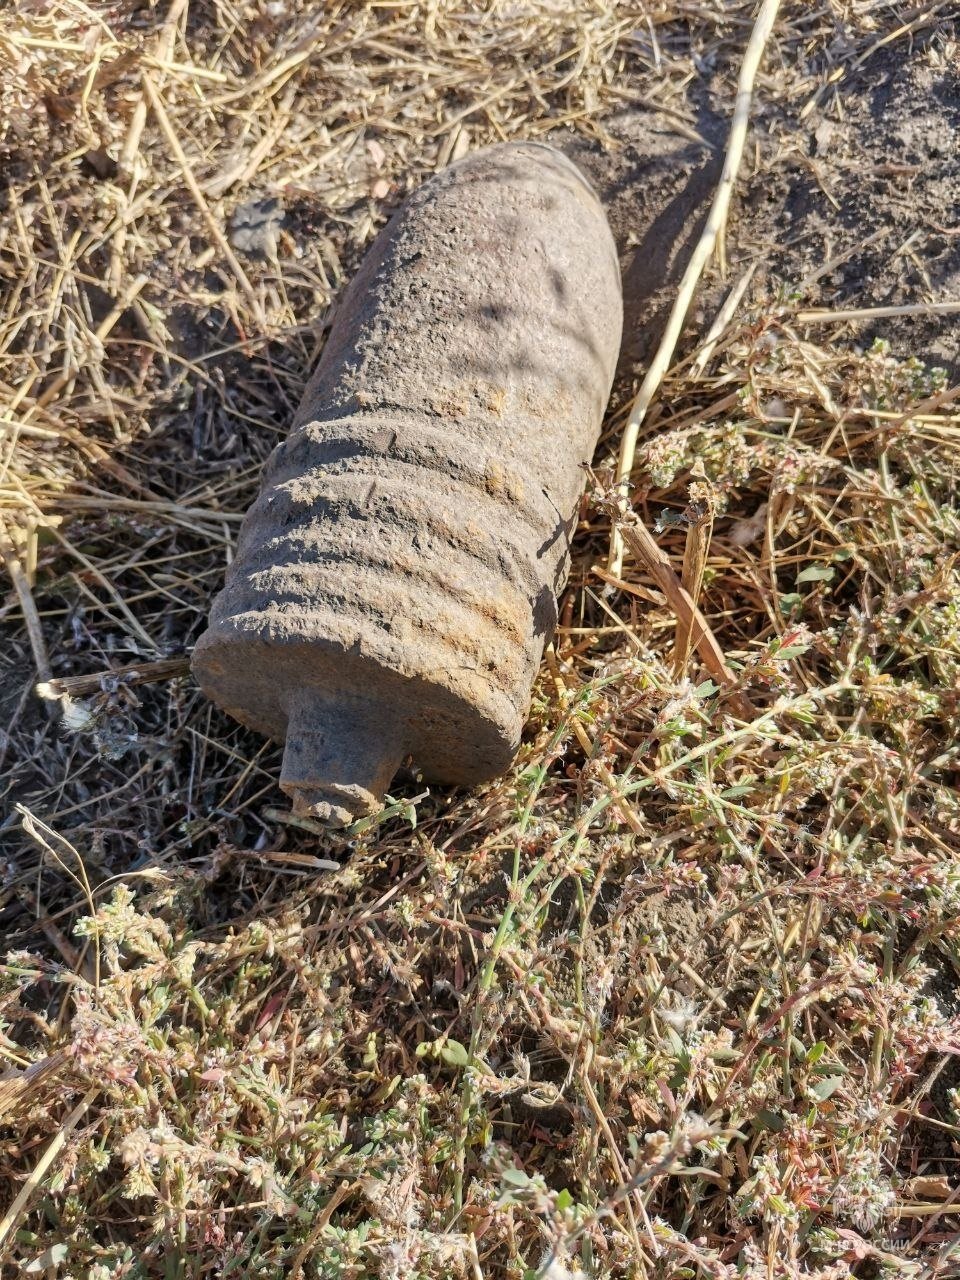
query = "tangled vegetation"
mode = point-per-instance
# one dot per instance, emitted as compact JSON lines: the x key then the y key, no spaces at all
{"x":675,"y":998}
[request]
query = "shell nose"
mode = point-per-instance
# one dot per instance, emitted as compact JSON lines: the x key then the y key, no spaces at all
{"x":340,"y":756}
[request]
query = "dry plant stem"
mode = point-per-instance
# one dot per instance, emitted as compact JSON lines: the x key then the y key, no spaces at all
{"x":94,"y":573}
{"x":131,"y":143}
{"x":589,"y":748}
{"x":724,"y":317}
{"x":245,"y":168}
{"x":712,"y":235}
{"x":12,"y":1216}
{"x":631,"y":588}
{"x":55,"y":936}
{"x":604,"y":1126}
{"x":102,"y":332}
{"x":694,"y":563}
{"x":319,"y":1226}
{"x":133,"y":673}
{"x":642,"y":544}
{"x":947,"y":396}
{"x":38,"y":830}
{"x":947,"y":308}
{"x":85,"y":447}
{"x":213,"y":225}
{"x":15,"y":1084}
{"x":31,"y":617}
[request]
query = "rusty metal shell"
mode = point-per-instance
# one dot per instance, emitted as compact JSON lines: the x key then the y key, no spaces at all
{"x":395,"y":582}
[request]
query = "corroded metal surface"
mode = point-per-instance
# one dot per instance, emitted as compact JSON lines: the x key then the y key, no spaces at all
{"x":395,"y":582}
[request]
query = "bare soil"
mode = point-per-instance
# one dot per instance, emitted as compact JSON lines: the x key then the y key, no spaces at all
{"x":857,"y":206}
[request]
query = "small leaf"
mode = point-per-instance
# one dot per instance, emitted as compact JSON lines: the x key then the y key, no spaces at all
{"x":705,"y":690}
{"x":765,"y":1119}
{"x":676,"y":1044}
{"x":515,"y":1178}
{"x":792,"y":651}
{"x":816,"y":573}
{"x":455,"y":1054}
{"x":802,"y":714}
{"x":56,"y":1254}
{"x":822,"y":1089}
{"x":816,"y":1051}
{"x":564,"y":1199}
{"x":828,"y":1069}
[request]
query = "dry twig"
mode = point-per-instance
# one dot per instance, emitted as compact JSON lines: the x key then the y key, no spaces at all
{"x":697,"y":546}
{"x":711,"y":237}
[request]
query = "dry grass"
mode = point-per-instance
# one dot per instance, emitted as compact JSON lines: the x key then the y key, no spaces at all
{"x":676,"y":997}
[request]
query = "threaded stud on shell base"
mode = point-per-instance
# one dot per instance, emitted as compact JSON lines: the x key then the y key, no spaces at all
{"x":339,"y":757}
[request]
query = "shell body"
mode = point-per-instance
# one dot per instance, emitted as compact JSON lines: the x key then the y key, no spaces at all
{"x":395,"y":582}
